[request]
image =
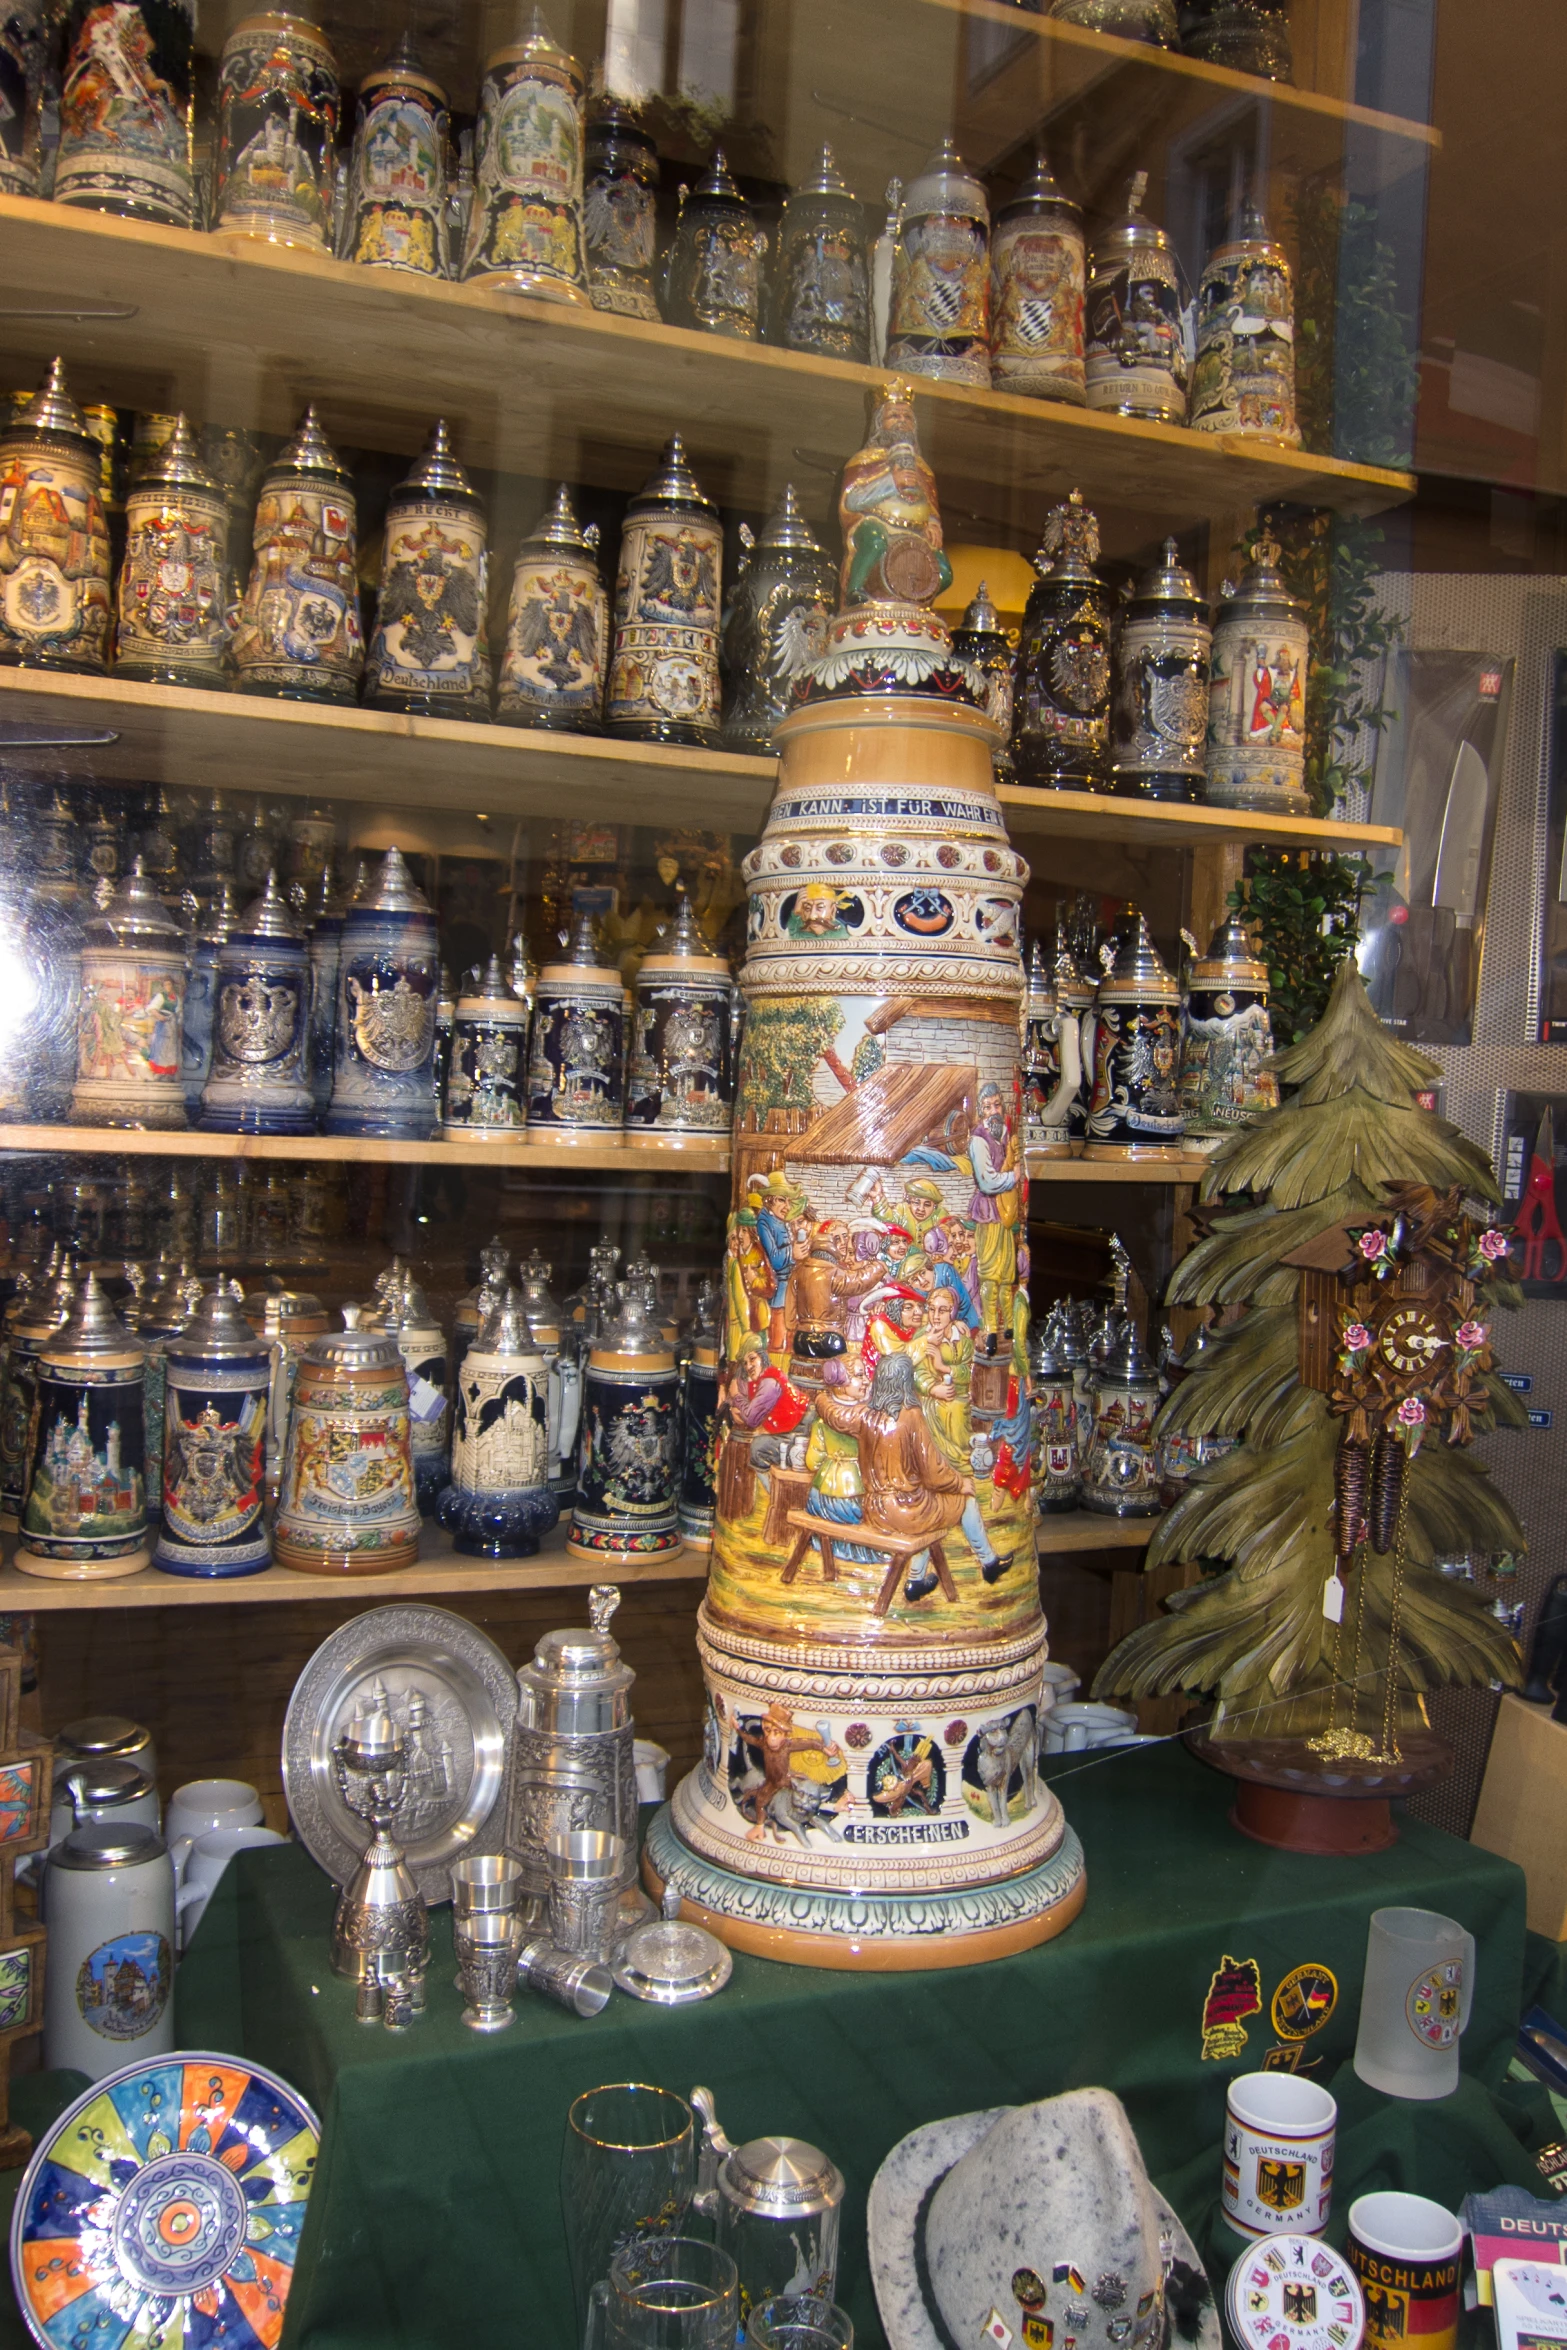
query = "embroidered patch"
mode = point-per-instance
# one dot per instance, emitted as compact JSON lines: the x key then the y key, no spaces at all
{"x":1234,"y":1992}
{"x":1304,"y":2001}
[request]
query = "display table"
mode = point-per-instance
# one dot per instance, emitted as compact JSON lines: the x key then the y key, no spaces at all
{"x":435,"y":2217}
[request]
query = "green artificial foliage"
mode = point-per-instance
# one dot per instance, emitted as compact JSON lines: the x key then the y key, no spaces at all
{"x":1254,"y":1635}
{"x":1356,"y":372}
{"x":1305,"y":908}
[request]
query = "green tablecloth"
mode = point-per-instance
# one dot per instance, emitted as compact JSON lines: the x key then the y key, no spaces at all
{"x":435,"y":2217}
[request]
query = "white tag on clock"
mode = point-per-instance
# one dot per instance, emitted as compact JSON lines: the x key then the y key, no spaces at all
{"x":1333,"y":1599}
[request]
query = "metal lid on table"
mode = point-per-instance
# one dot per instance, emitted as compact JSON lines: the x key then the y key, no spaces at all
{"x":671,"y":1963}
{"x":91,"y":1784}
{"x":103,"y":1735}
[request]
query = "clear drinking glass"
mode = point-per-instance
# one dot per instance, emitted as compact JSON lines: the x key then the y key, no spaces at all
{"x":673,"y":2293}
{"x":798,"y":2322}
{"x":626,"y":2176}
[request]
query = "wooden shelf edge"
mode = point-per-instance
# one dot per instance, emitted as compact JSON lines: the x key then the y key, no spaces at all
{"x":1190,"y":1167}
{"x":1083,"y":1530}
{"x":1291,"y":472}
{"x":1103,"y":816}
{"x":633,"y":1156}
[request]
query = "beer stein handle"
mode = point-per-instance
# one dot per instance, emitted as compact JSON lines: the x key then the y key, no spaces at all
{"x":1466,"y":2000}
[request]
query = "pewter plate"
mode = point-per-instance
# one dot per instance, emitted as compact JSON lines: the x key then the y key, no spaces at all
{"x":469,"y":1692}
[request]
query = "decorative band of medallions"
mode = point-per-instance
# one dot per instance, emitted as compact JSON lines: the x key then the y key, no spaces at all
{"x":853,"y":858}
{"x":860,"y":1860}
{"x":866,"y":1668}
{"x":866,"y":1919}
{"x":878,"y":976}
{"x":865,"y":1657}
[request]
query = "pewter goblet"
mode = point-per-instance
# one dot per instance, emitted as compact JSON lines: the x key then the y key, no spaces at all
{"x":486,"y":1944}
{"x":585,"y":1869}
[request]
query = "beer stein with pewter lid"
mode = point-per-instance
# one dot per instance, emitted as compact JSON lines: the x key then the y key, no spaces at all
{"x":216,"y":1388}
{"x":779,"y":609}
{"x":1244,"y":382}
{"x":260,"y":1083}
{"x":1135,"y":327}
{"x":484,"y":1084}
{"x":394,"y":210}
{"x":981,"y":641}
{"x":625,"y":1507}
{"x":1132,"y":1052}
{"x":1225,"y":1078}
{"x":775,"y":2204}
{"x":126,"y":106}
{"x":1257,"y":692}
{"x":1037,"y":269}
{"x":821,"y":278}
{"x":713,"y":280}
{"x":388,"y":972}
{"x":500,"y":1501}
{"x":939,"y":320}
{"x":557,"y":633}
{"x":577,"y":1057}
{"x":663,"y":675}
{"x":276,"y":152}
{"x":130,"y":1034}
{"x":1121,"y":1471}
{"x":679,"y":1073}
{"x":299,"y":633}
{"x":558,"y":1341}
{"x":175,"y":596}
{"x":347,"y":1505}
{"x":54,"y":551}
{"x":620,"y":209}
{"x":1159,"y":710}
{"x":699,"y":1421}
{"x":30,"y":1321}
{"x":525,"y":228}
{"x":572,"y":1761}
{"x":430,"y":653}
{"x":1061,"y":709}
{"x":85,"y":1516}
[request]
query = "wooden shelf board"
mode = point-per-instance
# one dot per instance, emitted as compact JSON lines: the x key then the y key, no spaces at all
{"x":238,"y":331}
{"x":440,"y":1571}
{"x":1190,"y":1167}
{"x":194,"y":740}
{"x":1081,"y":815}
{"x":628,"y":1158}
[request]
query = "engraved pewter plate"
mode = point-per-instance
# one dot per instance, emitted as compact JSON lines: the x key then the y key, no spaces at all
{"x":454,"y":1697}
{"x":165,"y":2205}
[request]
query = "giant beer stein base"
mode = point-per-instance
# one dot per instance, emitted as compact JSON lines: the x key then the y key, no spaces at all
{"x":869,"y":1933}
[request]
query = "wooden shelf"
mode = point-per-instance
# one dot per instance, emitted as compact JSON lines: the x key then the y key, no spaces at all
{"x":440,"y":1571}
{"x":631,"y":1157}
{"x":238,"y":331}
{"x":1190,"y":1167}
{"x":193,"y":740}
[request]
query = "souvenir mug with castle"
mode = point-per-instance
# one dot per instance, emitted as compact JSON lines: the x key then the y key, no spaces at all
{"x":871,"y":1637}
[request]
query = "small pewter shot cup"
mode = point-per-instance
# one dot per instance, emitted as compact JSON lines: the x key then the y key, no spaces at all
{"x":580,"y":1984}
{"x":585,"y":1870}
{"x":486,"y":1945}
{"x":486,"y":1881}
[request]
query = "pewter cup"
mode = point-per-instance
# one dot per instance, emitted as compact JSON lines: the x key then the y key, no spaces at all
{"x":586,"y":1867}
{"x":486,"y":1944}
{"x":580,"y":1984}
{"x":486,"y":1881}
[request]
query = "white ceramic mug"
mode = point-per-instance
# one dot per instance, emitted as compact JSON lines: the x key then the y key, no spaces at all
{"x":204,"y":1804}
{"x":110,"y":1974}
{"x":204,"y":1864}
{"x":1062,"y":1683}
{"x":1278,"y":2155}
{"x":1415,"y":2002}
{"x":1070,"y":1728}
{"x":652,"y":1763}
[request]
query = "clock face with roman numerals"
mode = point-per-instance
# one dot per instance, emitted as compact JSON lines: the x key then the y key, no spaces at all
{"x":1412,"y":1338}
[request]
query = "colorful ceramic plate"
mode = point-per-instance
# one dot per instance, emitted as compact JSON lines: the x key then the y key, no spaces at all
{"x":165,"y":2207}
{"x":1294,"y":2293}
{"x":453,"y":1695}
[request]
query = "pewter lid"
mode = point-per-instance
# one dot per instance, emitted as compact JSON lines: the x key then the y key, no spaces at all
{"x":409,"y":1310}
{"x":51,"y":409}
{"x":133,"y":911}
{"x":280,"y":1307}
{"x":505,"y":1329}
{"x":945,"y":184}
{"x":1168,"y":582}
{"x":1041,"y":979}
{"x":1048,"y":1355}
{"x":1127,"y":1363}
{"x":177,"y":465}
{"x":216,"y":924}
{"x":781,"y":2175}
{"x":981,"y":617}
{"x":558,"y":526}
{"x":353,"y":1348}
{"x":1134,"y":232}
{"x":1040,"y":192}
{"x":704,"y":1314}
{"x":1250,"y":229}
{"x":672,"y":483}
{"x":671,"y":1963}
{"x":218,"y":1327}
{"x":1071,"y":979}
{"x":393,"y":890}
{"x":539,"y":42}
{"x":682,"y":947}
{"x":581,"y":955}
{"x":99,"y":1847}
{"x":102,"y":1735}
{"x":610,"y":111}
{"x":437,"y":469}
{"x":92,"y":1327}
{"x":1137,"y":961}
{"x":493,"y":988}
{"x":1069,"y":542}
{"x":1263,"y":586}
{"x":106,"y":1781}
{"x":1232,"y":956}
{"x":826,"y":180}
{"x":401,"y":64}
{"x":581,"y":1659}
{"x":719,"y":184}
{"x":268,"y":916}
{"x":634,"y":1328}
{"x":311,"y":452}
{"x":786,"y":526}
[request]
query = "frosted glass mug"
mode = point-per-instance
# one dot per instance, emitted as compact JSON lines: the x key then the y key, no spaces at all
{"x":1415,"y":2002}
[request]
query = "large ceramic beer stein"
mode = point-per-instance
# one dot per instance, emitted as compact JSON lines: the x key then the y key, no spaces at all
{"x":620,"y":209}
{"x":217,"y":1383}
{"x":577,"y":1056}
{"x":278,"y":103}
{"x":557,"y":632}
{"x":29,"y":1322}
{"x":1228,"y":1041}
{"x":54,"y":547}
{"x":525,"y":229}
{"x":126,"y":105}
{"x":488,"y":1070}
{"x":298,"y":634}
{"x":713,"y":279}
{"x":1257,"y":693}
{"x":394,"y":206}
{"x":430,"y":653}
{"x":625,"y":1508}
{"x":175,"y":596}
{"x":347,"y":1506}
{"x":779,"y":608}
{"x":1159,"y":710}
{"x":680,"y":1069}
{"x":663,"y":675}
{"x":1244,"y":382}
{"x":500,"y":1501}
{"x":85,"y":1516}
{"x":109,"y":1895}
{"x":939,"y":321}
{"x":260,"y":1079}
{"x":821,"y":277}
{"x":1061,"y":706}
{"x":1132,"y":1052}
{"x":388,"y":972}
{"x":1036,"y":292}
{"x":1137,"y":361}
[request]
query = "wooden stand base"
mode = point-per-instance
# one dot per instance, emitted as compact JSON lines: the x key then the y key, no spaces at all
{"x":1297,"y":1801}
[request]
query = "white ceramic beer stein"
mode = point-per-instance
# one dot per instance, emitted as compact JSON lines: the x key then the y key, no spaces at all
{"x":204,"y":1804}
{"x":111,"y":1950}
{"x":205,"y":1862}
